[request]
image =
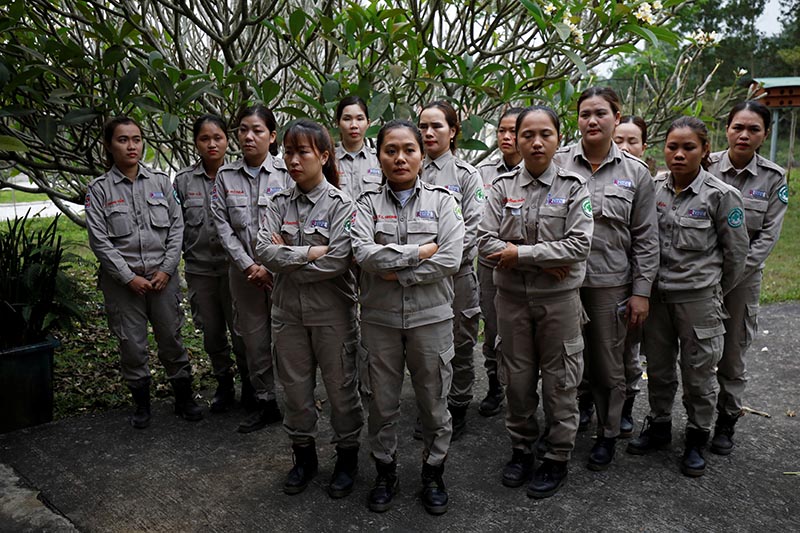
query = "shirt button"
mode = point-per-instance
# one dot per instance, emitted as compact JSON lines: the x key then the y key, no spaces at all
{"x":674,"y":208}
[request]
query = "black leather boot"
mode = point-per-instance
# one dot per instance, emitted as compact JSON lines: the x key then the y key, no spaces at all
{"x":304,"y":469}
{"x":459,"y":414}
{"x":434,"y":493}
{"x":249,"y":399}
{"x":493,"y":402}
{"x":267,"y":413}
{"x":693,"y":463}
{"x":602,"y":453}
{"x":140,"y":419}
{"x":185,"y":406}
{"x":547,"y":479}
{"x":225,"y":395}
{"x":654,"y":436}
{"x":519,"y":469}
{"x":626,"y":419}
{"x":586,"y":409}
{"x":344,"y":472}
{"x":386,"y":486}
{"x":722,"y":443}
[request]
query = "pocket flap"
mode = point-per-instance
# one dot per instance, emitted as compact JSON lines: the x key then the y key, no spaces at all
{"x":422,"y":226}
{"x":471,"y":312}
{"x":573,"y":346}
{"x":754,"y":204}
{"x":707,"y":332}
{"x":447,"y":355}
{"x":388,"y":228}
{"x":559,"y":211}
{"x":752,"y":309}
{"x":117,"y":208}
{"x":290,"y":229}
{"x":193,"y":202}
{"x":689,"y":222}
{"x":157,"y":201}
{"x":236,"y":201}
{"x":620,"y":192}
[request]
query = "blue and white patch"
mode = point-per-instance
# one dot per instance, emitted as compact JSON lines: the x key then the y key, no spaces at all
{"x":159,"y":194}
{"x":697,"y":213}
{"x":761,"y":195}
{"x":453,"y":188}
{"x":374,"y":172}
{"x":273,"y":190}
{"x":516,"y":211}
{"x":555,"y":200}
{"x":316,"y":223}
{"x":783,"y":194}
{"x":427,"y":215}
{"x":735,"y":217}
{"x":627,"y":184}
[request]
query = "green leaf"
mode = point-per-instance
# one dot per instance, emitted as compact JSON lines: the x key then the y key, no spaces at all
{"x":170,"y":123}
{"x":472,"y":144}
{"x":642,"y":32}
{"x":378,"y":104}
{"x":269,"y":90}
{"x":147,"y":103}
{"x":79,"y":116}
{"x":296,"y":22}
{"x":217,"y":69}
{"x":127,"y":83}
{"x":576,"y":60}
{"x":11,"y":144}
{"x":330,"y":91}
{"x":563,"y":30}
{"x":113,"y":54}
{"x":536,"y":13}
{"x":46,"y":130}
{"x":195,"y":91}
{"x":156,"y":60}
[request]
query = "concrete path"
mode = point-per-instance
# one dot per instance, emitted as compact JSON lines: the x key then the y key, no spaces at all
{"x":95,"y":473}
{"x":42,"y":209}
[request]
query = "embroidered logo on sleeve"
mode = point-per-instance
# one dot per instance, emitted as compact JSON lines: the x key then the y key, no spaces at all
{"x":586,"y":206}
{"x":735,"y":217}
{"x":87,"y":202}
{"x":457,"y":211}
{"x":175,"y":195}
{"x":348,"y":224}
{"x":783,"y":194}
{"x":480,"y":195}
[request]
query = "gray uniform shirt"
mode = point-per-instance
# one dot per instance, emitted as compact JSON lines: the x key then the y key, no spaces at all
{"x":489,"y":170}
{"x":464,"y":182}
{"x":625,"y":240}
{"x":239,"y":203}
{"x":135,"y":227}
{"x":549,"y":218}
{"x":703,"y":234}
{"x":765,"y":193}
{"x":317,"y":293}
{"x":386,"y":238}
{"x":358,"y":173}
{"x":203,"y":253}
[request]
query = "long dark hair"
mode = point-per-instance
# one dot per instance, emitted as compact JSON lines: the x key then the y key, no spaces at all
{"x":320,"y":140}
{"x":699,"y":128}
{"x":351,"y":100}
{"x":450,"y":116}
{"x":109,"y":128}
{"x":265,"y":114}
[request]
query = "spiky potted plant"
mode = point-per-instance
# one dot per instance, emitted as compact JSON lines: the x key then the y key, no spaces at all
{"x":35,"y":296}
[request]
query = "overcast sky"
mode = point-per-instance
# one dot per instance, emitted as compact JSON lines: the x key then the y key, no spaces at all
{"x":768,"y":21}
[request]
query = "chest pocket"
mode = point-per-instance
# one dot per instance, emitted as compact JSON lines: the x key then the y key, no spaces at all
{"x":194,"y":213}
{"x":754,"y":211}
{"x":159,"y":212}
{"x":386,"y":233}
{"x":552,"y":221}
{"x":289,"y":232}
{"x":617,"y":203}
{"x":695,"y":234}
{"x":316,"y":236}
{"x":511,"y":225}
{"x":422,"y":231}
{"x":238,"y":211}
{"x":118,"y":221}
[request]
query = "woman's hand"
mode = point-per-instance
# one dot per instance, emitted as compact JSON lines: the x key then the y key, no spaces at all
{"x":637,"y":310}
{"x":506,"y":259}
{"x":315,"y":252}
{"x":159,"y":281}
{"x":140,"y":285}
{"x":259,"y":276}
{"x":426,"y":251}
{"x":560,"y":272}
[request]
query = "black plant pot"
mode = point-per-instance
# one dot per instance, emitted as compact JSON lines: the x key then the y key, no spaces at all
{"x":26,"y":385}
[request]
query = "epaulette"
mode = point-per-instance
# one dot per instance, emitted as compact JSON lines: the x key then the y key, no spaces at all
{"x":466,"y":166}
{"x":511,"y":174}
{"x":335,"y":192}
{"x":564,"y":149}
{"x":636,"y":159}
{"x":488,"y":162}
{"x":715,"y":157}
{"x":232,"y":165}
{"x":766,"y":163}
{"x":712,"y":181}
{"x":431,"y":187}
{"x":563,"y":172}
{"x":279,"y":163}
{"x":283,"y":192}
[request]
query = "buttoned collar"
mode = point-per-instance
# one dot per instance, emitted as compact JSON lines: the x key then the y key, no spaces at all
{"x":726,"y":166}
{"x":342,"y":153}
{"x":118,"y":176}
{"x":614,"y":154}
{"x":314,"y":194}
{"x":417,"y":186}
{"x":546,"y":178}
{"x":694,"y":186}
{"x":440,"y":161}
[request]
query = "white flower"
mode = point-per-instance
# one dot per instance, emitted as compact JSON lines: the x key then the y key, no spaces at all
{"x":643,"y":12}
{"x":657,"y":5}
{"x":741,"y":72}
{"x":549,"y":8}
{"x":578,"y":38}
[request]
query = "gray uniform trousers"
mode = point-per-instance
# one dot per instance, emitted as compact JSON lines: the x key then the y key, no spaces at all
{"x":427,"y":351}
{"x":740,"y":329}
{"x":605,"y":343}
{"x":633,"y":362}
{"x":466,"y":321}
{"x":489,"y":312}
{"x":128,"y":314}
{"x":298,"y":351}
{"x":541,"y":335}
{"x":687,"y":329}
{"x":212,"y":313}
{"x":251,"y":314}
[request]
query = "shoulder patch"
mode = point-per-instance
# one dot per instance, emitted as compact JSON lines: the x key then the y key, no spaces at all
{"x":586,"y":207}
{"x":735,"y":217}
{"x":783,"y":194}
{"x":457,"y":212}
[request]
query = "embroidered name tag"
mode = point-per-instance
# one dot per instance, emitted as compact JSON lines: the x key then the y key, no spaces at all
{"x":427,"y":215}
{"x":661,"y":205}
{"x":374,"y":172}
{"x":754,"y":193}
{"x":627,"y":184}
{"x":272,"y":190}
{"x":556,"y":201}
{"x":453,"y":187}
{"x":157,"y":194}
{"x":697,"y":213}
{"x":319,"y":224}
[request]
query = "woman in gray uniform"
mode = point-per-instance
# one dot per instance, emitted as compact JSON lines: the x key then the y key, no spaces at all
{"x":439,"y":125}
{"x":356,"y":162}
{"x":537,"y":226}
{"x":766,"y":197}
{"x":135,"y":230}
{"x":206,"y":263}
{"x":703,"y":251}
{"x":623,"y":262}
{"x":490,"y":169}
{"x":239,"y":203}
{"x":305,"y":241}
{"x":407,"y":238}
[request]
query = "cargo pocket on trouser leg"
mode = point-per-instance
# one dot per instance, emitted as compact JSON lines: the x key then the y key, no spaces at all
{"x":502,"y":371}
{"x":750,"y":325}
{"x":349,"y":363}
{"x":365,"y":386}
{"x":446,"y":370}
{"x":708,"y":343}
{"x":572,"y":369}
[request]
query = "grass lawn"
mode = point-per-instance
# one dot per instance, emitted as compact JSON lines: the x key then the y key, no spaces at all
{"x":8,"y":196}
